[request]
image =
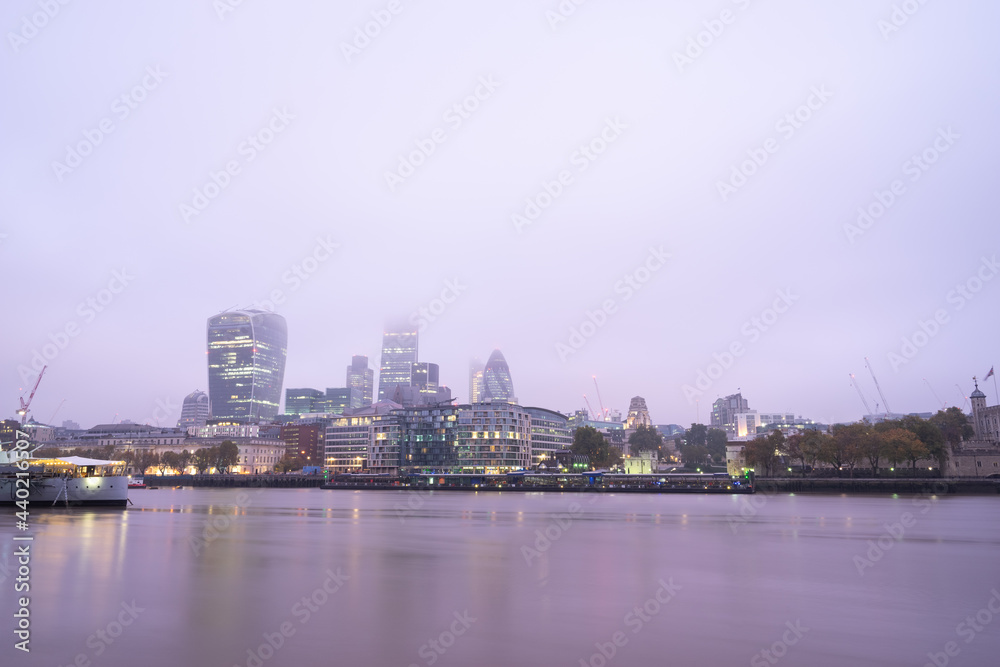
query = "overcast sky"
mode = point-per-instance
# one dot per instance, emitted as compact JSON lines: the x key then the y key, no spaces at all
{"x":623,"y":122}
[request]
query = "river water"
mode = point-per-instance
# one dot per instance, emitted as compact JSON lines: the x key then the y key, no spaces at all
{"x":225,"y":577}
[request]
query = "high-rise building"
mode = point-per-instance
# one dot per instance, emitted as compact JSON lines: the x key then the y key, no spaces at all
{"x":194,"y":411}
{"x":246,"y":364}
{"x":496,"y":379}
{"x":724,"y":411}
{"x":476,"y":387}
{"x":427,"y":437}
{"x":302,"y":400}
{"x":364,"y":439}
{"x":399,"y":353}
{"x":425,"y":375}
{"x":638,"y":415}
{"x":307,"y":441}
{"x":338,"y":399}
{"x":362,"y":378}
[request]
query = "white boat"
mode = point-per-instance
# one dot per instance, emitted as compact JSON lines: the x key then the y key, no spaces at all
{"x":69,"y":481}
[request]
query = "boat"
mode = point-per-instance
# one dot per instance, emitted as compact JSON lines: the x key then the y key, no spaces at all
{"x":136,"y":482}
{"x":68,"y":481}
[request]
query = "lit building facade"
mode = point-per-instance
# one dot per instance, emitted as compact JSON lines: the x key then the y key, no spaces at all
{"x":550,"y":433}
{"x":724,"y":411}
{"x":493,"y":438}
{"x":194,"y":411}
{"x":497,"y":381}
{"x":366,"y":439}
{"x":338,"y":399}
{"x":638,"y":415}
{"x":399,"y":353}
{"x":362,"y":378}
{"x":476,"y":388}
{"x":302,"y":400}
{"x":428,"y":437}
{"x":306,"y":441}
{"x":246,"y":364}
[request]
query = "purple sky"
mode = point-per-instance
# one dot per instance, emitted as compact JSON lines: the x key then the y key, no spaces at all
{"x":664,"y":132}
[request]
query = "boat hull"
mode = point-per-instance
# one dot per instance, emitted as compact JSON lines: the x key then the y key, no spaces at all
{"x":72,"y":492}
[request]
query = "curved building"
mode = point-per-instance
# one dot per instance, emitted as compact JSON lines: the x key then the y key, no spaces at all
{"x":194,"y":411}
{"x":497,"y":385}
{"x":246,"y":364}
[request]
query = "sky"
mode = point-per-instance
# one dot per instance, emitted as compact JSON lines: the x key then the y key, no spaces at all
{"x":682,"y":199}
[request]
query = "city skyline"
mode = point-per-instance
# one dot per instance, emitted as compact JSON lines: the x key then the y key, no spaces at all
{"x":632,"y":227}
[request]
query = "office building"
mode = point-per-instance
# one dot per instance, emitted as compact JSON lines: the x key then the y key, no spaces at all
{"x":399,"y":353}
{"x":246,"y":364}
{"x":493,"y":438}
{"x":497,"y":380}
{"x":638,"y":415}
{"x":302,"y":400}
{"x":724,"y":411}
{"x":194,"y":411}
{"x":338,"y":399}
{"x":306,"y":441}
{"x":362,"y":378}
{"x":550,"y":433}
{"x":427,"y":438}
{"x":476,"y":387}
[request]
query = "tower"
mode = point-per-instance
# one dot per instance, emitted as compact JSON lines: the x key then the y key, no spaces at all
{"x":362,"y":378}
{"x":246,"y":364}
{"x":399,"y":353}
{"x":638,"y":415}
{"x":978,"y":400}
{"x":497,"y":382}
{"x":476,"y":381}
{"x":194,"y":410}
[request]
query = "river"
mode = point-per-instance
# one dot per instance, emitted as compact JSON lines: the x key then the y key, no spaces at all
{"x":200,"y":577}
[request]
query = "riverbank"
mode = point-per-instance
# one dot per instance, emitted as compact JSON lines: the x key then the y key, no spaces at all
{"x":940,"y":486}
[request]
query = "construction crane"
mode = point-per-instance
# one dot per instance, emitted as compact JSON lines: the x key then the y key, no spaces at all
{"x":938,"y":398}
{"x":590,"y":408}
{"x":863,"y":399}
{"x":58,"y":408}
{"x":885,"y":404}
{"x":604,"y":412}
{"x":965,"y":399}
{"x":23,"y":411}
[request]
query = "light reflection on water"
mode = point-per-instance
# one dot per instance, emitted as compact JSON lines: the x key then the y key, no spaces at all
{"x":549,"y":578}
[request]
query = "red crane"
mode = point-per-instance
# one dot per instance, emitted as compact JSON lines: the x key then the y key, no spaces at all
{"x":23,"y":411}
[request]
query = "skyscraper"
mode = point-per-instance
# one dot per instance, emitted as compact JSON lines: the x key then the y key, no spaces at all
{"x":246,"y":363}
{"x":194,"y":410}
{"x":399,"y":353}
{"x":638,"y":415}
{"x":496,"y":380}
{"x":476,"y":381}
{"x":362,"y":378}
{"x":724,"y":411}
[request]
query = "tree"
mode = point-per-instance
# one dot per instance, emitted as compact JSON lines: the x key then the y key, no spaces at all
{"x":228,"y":455}
{"x":288,"y":463}
{"x":793,"y":449}
{"x":183,"y":461}
{"x":146,"y":459}
{"x":844,"y":448}
{"x":205,"y":458}
{"x":694,"y":455}
{"x":645,"y":439}
{"x":589,"y":442}
{"x":716,"y":441}
{"x":168,"y":460}
{"x":760,"y":454}
{"x":696,"y":435}
{"x":903,"y":445}
{"x":954,"y":425}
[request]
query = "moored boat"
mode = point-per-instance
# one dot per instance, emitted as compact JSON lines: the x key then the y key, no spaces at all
{"x":68,"y":481}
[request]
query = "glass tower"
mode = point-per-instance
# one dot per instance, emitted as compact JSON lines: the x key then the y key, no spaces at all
{"x":496,"y":378}
{"x":246,"y":364}
{"x":399,"y":353}
{"x":362,"y":378}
